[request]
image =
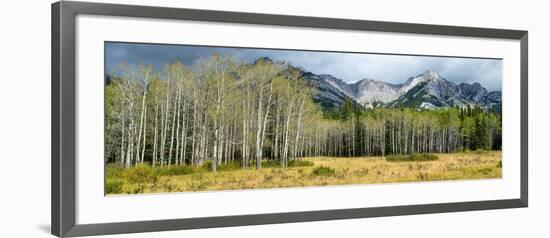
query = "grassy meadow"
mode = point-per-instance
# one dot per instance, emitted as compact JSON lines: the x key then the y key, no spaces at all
{"x":314,"y":171}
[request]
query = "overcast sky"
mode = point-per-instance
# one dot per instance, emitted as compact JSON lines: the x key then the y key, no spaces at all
{"x":350,"y":67}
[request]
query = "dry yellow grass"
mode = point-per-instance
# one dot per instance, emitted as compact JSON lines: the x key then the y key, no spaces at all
{"x":361,"y":170}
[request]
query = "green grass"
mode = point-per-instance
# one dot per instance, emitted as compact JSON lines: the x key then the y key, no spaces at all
{"x":291,"y":163}
{"x":141,"y":174}
{"x":413,"y":157}
{"x":175,"y":170}
{"x":231,"y":166}
{"x":323,"y":171}
{"x":114,"y":186}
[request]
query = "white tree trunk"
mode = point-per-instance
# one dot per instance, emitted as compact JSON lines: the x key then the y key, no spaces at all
{"x":287,"y":128}
{"x":259,"y":131}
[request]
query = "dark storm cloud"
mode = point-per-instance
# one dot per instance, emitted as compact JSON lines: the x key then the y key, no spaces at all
{"x":347,"y":66}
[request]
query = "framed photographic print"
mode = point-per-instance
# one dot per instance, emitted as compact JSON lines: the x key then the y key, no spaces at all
{"x":166,"y":119}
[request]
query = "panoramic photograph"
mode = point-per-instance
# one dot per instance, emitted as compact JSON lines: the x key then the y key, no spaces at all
{"x":185,"y":118}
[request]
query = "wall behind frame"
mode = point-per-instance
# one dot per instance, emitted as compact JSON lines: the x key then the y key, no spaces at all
{"x":25,"y":120}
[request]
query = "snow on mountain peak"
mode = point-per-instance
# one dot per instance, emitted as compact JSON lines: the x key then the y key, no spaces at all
{"x":413,"y":81}
{"x":370,"y":90}
{"x":432,"y":89}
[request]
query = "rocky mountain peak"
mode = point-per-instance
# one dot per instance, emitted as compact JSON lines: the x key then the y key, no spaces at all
{"x":431,"y":75}
{"x":473,"y":92}
{"x":423,"y":91}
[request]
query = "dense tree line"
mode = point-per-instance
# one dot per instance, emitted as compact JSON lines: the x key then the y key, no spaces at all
{"x":381,"y":131}
{"x":222,"y":111}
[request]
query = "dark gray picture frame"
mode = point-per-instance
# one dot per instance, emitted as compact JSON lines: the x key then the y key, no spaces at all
{"x":64,"y":133}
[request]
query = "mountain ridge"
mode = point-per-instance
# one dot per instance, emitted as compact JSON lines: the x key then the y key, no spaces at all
{"x":424,"y":91}
{"x":427,"y":90}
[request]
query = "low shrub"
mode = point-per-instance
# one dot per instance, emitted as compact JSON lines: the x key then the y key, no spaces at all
{"x":300,"y":163}
{"x":413,"y":158}
{"x":268,"y":178}
{"x":175,"y":170}
{"x":231,"y":166}
{"x":271,"y":164}
{"x":499,"y":165}
{"x":485,"y":171}
{"x":198,"y":183}
{"x":141,"y":174}
{"x":323,"y":171}
{"x":481,"y":151}
{"x":291,"y":163}
{"x":113,"y":186}
{"x":422,"y":176}
{"x":135,"y":189}
{"x":114,"y":172}
{"x":166,"y":185}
